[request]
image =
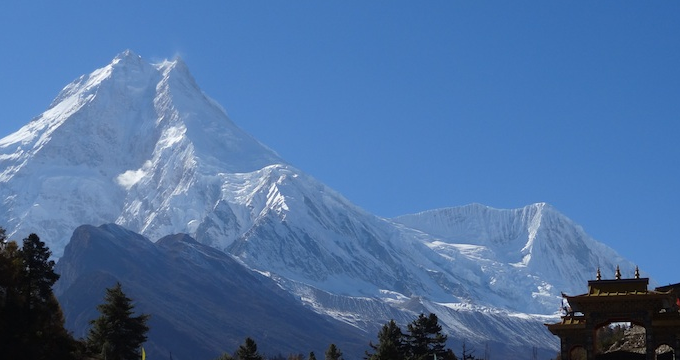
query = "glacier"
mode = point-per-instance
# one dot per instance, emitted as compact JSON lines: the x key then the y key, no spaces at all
{"x":140,"y":145}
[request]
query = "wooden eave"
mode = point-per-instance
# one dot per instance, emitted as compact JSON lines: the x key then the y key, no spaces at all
{"x":581,"y":303}
{"x":568,"y":323}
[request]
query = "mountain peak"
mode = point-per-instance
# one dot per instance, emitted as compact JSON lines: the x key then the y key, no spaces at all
{"x":126,"y":55}
{"x":128,"y":63}
{"x":176,"y":72}
{"x":127,"y":131}
{"x":175,"y":61}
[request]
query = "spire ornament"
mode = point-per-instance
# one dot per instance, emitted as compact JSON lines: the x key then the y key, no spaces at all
{"x":637,"y":272}
{"x":618,"y":273}
{"x":598,"y":275}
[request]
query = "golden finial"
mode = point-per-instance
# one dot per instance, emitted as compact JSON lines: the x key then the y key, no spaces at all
{"x":598,"y":275}
{"x":618,"y":273}
{"x":637,"y":272}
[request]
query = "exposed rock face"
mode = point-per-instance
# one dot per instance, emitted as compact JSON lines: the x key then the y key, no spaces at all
{"x":632,"y":345}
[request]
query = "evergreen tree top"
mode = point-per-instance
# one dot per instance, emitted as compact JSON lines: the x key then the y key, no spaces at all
{"x":248,"y":351}
{"x":117,"y":334}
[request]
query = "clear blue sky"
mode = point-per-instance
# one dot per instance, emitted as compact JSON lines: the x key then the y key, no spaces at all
{"x":405,"y":106}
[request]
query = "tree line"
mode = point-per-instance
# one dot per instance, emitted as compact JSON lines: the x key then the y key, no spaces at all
{"x":422,"y":340}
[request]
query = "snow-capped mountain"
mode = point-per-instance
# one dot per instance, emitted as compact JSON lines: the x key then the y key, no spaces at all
{"x":535,"y":246}
{"x":132,"y":142}
{"x":140,"y":145}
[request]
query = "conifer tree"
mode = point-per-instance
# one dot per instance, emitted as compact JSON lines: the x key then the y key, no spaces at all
{"x":31,"y":320}
{"x":117,"y":334}
{"x":248,"y":351}
{"x":12,"y":337}
{"x":333,"y":353}
{"x":312,"y":356}
{"x":390,"y":344}
{"x":39,"y":275}
{"x":425,"y":338}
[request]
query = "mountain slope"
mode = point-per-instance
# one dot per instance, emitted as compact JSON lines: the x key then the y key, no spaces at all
{"x":202,"y":302}
{"x":534,"y":244}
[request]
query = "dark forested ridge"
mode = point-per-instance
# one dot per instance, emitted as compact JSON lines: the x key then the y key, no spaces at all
{"x":202,"y":302}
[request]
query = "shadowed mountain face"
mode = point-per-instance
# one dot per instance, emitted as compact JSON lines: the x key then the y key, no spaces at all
{"x":201,"y":301}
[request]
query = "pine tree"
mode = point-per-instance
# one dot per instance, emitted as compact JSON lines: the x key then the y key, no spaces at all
{"x":31,"y":320}
{"x":390,"y":345}
{"x":425,"y":338}
{"x":333,"y":353}
{"x":248,"y":351}
{"x":11,"y":267}
{"x":39,"y":273}
{"x":312,"y":356}
{"x":12,"y":333}
{"x":116,"y":334}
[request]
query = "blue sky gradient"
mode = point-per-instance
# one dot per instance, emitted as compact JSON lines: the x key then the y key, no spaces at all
{"x":410,"y":106}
